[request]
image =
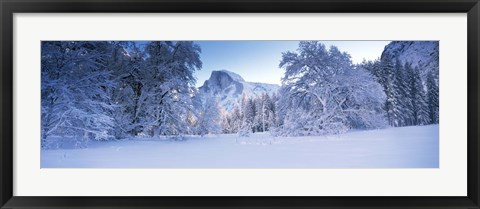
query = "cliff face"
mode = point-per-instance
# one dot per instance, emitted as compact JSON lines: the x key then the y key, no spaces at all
{"x":421,"y":54}
{"x":228,"y":87}
{"x":223,"y":83}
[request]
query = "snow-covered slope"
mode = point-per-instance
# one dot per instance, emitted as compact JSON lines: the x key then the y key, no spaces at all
{"x":422,"y":54}
{"x":228,"y":87}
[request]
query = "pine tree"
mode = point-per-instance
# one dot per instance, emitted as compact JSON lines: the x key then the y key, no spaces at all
{"x":249,"y":110}
{"x":432,"y":98}
{"x":403,"y":91}
{"x":236,"y":119}
{"x":268,"y":113}
{"x":417,"y":95}
{"x":388,"y":80}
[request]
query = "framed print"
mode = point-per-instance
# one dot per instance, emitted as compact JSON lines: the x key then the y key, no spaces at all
{"x":265,"y":104}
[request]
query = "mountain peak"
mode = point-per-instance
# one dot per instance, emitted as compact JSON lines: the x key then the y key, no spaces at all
{"x":228,"y":87}
{"x":232,"y":75}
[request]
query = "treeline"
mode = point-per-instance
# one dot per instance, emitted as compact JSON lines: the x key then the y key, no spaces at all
{"x":410,"y":100}
{"x":253,"y":114}
{"x":103,"y":90}
{"x":106,"y":89}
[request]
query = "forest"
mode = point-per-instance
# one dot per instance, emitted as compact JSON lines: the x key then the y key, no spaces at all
{"x":108,"y":90}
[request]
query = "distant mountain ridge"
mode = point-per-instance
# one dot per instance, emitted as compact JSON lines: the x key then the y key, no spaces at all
{"x":228,"y":87}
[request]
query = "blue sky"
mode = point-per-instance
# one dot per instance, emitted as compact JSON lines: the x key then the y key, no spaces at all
{"x":258,"y":61}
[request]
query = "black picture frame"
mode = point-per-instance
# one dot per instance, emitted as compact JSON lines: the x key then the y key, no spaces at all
{"x":9,"y":7}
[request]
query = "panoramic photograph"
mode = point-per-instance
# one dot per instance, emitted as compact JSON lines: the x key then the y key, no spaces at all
{"x":239,"y":104}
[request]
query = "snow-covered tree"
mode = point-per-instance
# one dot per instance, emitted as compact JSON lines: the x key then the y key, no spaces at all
{"x":326,"y":93}
{"x":432,"y":98}
{"x":208,"y":117}
{"x":128,"y":60}
{"x":103,"y":90}
{"x":252,"y":114}
{"x":420,"y":115}
{"x":408,"y":101}
{"x":267,"y":112}
{"x":402,"y":94}
{"x":389,"y":80}
{"x":167,"y":87}
{"x":76,"y":81}
{"x":364,"y":100}
{"x":249,"y":114}
{"x":232,"y":122}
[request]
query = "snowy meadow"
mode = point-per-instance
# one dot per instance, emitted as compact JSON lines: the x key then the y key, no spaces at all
{"x":405,"y":147}
{"x":124,"y":104}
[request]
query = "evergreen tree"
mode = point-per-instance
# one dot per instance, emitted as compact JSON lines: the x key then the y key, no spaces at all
{"x":432,"y":98}
{"x":236,"y":119}
{"x":402,"y":93}
{"x":268,"y":116}
{"x":419,"y":108}
{"x":249,"y":111}
{"x":388,"y":80}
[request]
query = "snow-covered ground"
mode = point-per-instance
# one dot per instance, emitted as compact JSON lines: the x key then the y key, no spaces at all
{"x":406,"y":147}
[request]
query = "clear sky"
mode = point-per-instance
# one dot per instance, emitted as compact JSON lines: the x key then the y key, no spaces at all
{"x":258,"y":61}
